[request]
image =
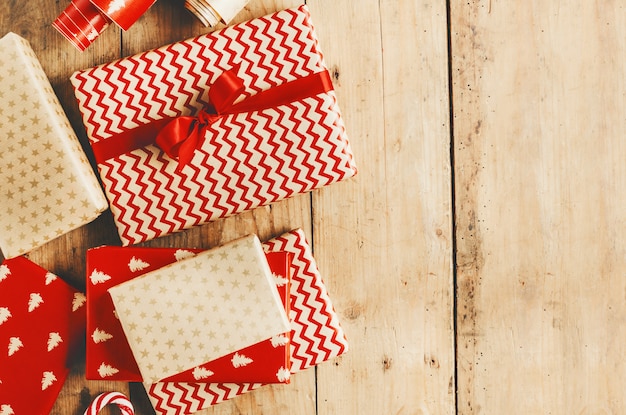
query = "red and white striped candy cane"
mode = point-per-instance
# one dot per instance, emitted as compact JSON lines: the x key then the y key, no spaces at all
{"x":111,"y":398}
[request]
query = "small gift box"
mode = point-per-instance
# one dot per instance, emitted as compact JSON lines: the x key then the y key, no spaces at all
{"x":49,"y":187}
{"x":108,"y":354}
{"x":214,"y":125}
{"x":316,"y":335}
{"x":42,"y":320}
{"x":194,"y":311}
{"x":83,"y":21}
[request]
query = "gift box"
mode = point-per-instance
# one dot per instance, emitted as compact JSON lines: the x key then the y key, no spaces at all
{"x":214,"y":125}
{"x":48,"y":185}
{"x":42,"y":320}
{"x":108,"y":354}
{"x":188,"y":313}
{"x":316,"y":335}
{"x":83,"y":21}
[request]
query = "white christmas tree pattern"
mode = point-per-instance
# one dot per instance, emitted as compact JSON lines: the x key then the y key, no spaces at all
{"x":98,"y":277}
{"x":78,"y":301}
{"x":201,"y":373}
{"x":5,"y":313}
{"x":47,"y":380}
{"x":239,"y":360}
{"x":50,"y":277}
{"x":100,"y":336}
{"x":54,"y":339}
{"x":6,"y":410}
{"x":137,"y":264}
{"x":34,"y":301}
{"x":4,"y":272}
{"x":279,"y":340}
{"x":115,"y":6}
{"x":182,"y":254}
{"x":283,"y":374}
{"x":106,"y":370}
{"x":279,"y":280}
{"x":15,"y":344}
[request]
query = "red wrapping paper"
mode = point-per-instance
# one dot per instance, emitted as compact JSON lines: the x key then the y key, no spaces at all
{"x":110,"y":357}
{"x":243,"y":157}
{"x":42,"y":320}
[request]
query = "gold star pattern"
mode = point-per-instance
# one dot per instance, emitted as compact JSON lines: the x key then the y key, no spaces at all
{"x":200,"y":328}
{"x":41,"y":158}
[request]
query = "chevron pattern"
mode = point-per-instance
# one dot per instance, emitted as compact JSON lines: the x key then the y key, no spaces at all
{"x":246,"y":160}
{"x":316,"y":334}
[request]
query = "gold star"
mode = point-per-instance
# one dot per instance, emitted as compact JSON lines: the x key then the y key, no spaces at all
{"x":170,"y":343}
{"x":10,"y":194}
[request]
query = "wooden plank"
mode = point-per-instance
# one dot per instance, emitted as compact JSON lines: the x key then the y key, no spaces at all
{"x":384,"y":239}
{"x":538,"y":96}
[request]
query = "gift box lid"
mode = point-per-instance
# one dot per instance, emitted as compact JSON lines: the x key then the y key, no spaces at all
{"x":316,"y":334}
{"x":108,"y":354}
{"x":199,"y":309}
{"x":42,"y":321}
{"x":48,"y":185}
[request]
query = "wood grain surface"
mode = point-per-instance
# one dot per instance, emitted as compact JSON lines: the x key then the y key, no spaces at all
{"x":538,"y":98}
{"x":383,"y":240}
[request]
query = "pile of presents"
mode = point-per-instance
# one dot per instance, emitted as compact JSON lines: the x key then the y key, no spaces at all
{"x":182,"y":135}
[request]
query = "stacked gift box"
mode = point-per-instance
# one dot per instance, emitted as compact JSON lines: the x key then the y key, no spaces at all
{"x":189,"y":133}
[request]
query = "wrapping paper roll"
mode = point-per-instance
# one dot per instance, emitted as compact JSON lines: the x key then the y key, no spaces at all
{"x":111,"y":398}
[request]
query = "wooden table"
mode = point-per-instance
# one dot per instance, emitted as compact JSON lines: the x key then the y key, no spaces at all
{"x":477,"y":260}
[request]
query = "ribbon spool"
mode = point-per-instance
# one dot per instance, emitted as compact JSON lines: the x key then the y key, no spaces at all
{"x":203,"y":11}
{"x":81,"y":23}
{"x":111,"y":398}
{"x":213,"y":12}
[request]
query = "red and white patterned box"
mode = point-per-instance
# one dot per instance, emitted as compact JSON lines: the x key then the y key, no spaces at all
{"x":316,"y":335}
{"x":42,"y":321}
{"x":108,"y":354}
{"x":168,"y":162}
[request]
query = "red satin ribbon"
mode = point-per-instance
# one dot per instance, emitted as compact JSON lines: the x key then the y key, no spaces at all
{"x":178,"y":137}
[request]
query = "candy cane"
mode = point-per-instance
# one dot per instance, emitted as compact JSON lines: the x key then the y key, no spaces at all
{"x":111,"y":398}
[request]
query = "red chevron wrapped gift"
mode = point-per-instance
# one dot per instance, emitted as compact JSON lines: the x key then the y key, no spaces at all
{"x":214,"y":125}
{"x":42,"y":321}
{"x":108,"y":354}
{"x":316,"y":335}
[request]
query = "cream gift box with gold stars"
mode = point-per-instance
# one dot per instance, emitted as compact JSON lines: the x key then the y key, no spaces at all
{"x":48,"y":186}
{"x":194,"y":311}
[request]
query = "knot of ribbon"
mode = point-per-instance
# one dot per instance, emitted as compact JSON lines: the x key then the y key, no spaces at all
{"x":180,"y":136}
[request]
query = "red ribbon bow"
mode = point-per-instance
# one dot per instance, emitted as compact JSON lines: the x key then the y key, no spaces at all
{"x":180,"y":136}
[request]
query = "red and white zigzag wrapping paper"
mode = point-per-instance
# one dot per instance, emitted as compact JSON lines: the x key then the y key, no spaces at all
{"x":316,"y":335}
{"x":246,"y":159}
